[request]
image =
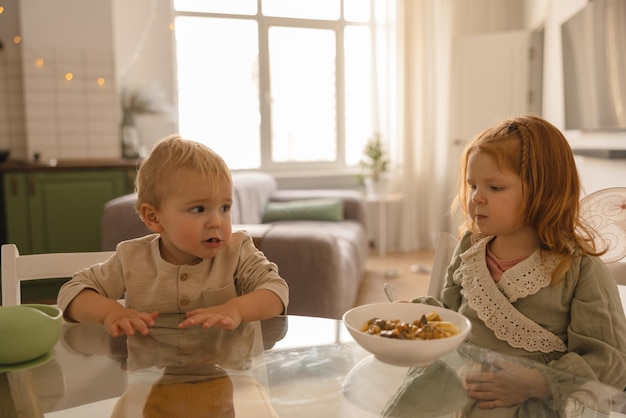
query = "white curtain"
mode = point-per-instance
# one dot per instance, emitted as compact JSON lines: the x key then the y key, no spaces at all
{"x":415,"y":120}
{"x":419,"y":38}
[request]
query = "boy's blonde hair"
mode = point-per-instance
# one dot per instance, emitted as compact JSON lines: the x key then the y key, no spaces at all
{"x":154,"y":178}
{"x":537,"y":151}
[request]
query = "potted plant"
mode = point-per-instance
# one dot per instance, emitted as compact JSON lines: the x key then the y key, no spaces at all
{"x":375,"y":165}
{"x":144,"y":100}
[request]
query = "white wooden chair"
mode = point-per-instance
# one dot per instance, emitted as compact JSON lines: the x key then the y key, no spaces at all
{"x":446,"y":243}
{"x":605,"y":210}
{"x":17,"y":268}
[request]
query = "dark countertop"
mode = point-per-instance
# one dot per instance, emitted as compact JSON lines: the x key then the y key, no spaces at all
{"x":68,"y":164}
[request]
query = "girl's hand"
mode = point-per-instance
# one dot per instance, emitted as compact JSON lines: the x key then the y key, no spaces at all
{"x":126,"y":321}
{"x":221,"y":316}
{"x":511,"y":384}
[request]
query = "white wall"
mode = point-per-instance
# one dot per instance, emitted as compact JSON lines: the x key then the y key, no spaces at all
{"x":144,"y":57}
{"x":66,"y":118}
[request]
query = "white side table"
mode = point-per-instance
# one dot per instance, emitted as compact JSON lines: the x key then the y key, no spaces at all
{"x":382,"y":202}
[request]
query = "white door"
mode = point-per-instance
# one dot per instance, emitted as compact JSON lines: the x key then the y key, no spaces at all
{"x":491,"y":80}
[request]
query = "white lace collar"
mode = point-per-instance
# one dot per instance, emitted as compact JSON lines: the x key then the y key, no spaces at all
{"x":493,"y":301}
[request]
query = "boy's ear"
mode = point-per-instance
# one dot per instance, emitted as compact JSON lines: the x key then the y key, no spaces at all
{"x":150,"y":217}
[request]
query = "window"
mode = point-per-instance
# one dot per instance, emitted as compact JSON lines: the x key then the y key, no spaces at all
{"x":276,"y":84}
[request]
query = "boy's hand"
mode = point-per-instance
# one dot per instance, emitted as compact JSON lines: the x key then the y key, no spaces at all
{"x":127,"y":321}
{"x":221,"y":316}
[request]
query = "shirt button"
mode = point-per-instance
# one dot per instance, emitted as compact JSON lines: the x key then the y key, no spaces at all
{"x":184,"y":302}
{"x":183,"y":276}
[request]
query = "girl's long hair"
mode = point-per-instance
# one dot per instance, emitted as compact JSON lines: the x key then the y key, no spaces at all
{"x":538,"y":152}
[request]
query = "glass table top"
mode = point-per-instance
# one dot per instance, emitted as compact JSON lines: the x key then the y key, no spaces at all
{"x":289,"y":366}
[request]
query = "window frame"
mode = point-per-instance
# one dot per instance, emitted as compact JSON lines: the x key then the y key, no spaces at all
{"x":264,"y":23}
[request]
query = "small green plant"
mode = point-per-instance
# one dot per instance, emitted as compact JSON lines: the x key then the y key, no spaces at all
{"x":375,"y":162}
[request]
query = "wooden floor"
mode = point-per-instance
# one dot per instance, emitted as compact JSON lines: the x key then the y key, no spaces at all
{"x":408,"y":272}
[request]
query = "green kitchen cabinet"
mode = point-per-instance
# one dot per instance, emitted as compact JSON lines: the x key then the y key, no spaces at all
{"x":60,"y":210}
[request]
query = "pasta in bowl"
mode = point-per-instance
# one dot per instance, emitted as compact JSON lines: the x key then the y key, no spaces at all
{"x":406,"y":334}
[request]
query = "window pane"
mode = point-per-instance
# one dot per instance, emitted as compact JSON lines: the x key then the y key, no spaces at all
{"x":356,"y":10}
{"x":304,"y":9}
{"x":218,"y":98}
{"x":358,"y":84}
{"x":244,"y":7}
{"x":302,"y":83}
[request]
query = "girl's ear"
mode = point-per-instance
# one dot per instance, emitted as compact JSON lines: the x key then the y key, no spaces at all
{"x":150,"y":217}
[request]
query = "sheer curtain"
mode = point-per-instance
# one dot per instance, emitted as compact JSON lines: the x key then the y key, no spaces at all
{"x":415,"y":120}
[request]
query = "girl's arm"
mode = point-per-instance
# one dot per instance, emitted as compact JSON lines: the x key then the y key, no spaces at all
{"x":451,"y":292}
{"x":597,"y":330}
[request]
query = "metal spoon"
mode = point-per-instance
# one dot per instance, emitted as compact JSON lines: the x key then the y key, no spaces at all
{"x":391,"y":293}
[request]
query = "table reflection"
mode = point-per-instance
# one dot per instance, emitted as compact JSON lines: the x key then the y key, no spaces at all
{"x":285,"y":367}
{"x":437,"y":390}
{"x":193,"y":372}
{"x":175,"y":372}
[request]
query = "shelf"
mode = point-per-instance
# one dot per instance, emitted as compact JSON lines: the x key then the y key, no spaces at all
{"x":600,"y":153}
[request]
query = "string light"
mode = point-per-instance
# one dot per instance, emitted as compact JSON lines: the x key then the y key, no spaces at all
{"x":135,"y":57}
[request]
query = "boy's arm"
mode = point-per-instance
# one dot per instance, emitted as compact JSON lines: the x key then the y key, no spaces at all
{"x":257,"y":305}
{"x":90,"y":306}
{"x":260,"y":304}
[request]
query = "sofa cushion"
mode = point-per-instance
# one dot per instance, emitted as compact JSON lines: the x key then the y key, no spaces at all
{"x":353,"y":200}
{"x":307,"y":209}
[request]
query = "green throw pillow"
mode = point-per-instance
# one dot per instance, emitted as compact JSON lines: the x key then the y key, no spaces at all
{"x":307,"y":209}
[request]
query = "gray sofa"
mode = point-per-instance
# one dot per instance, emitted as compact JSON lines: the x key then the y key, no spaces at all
{"x":322,"y":259}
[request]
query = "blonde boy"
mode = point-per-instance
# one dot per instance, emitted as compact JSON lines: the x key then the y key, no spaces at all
{"x":192,"y":263}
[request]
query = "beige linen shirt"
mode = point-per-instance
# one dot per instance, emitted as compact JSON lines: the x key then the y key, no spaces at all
{"x":137,"y":273}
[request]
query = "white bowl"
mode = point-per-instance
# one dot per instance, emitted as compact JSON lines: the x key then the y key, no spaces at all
{"x":404,"y":352}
